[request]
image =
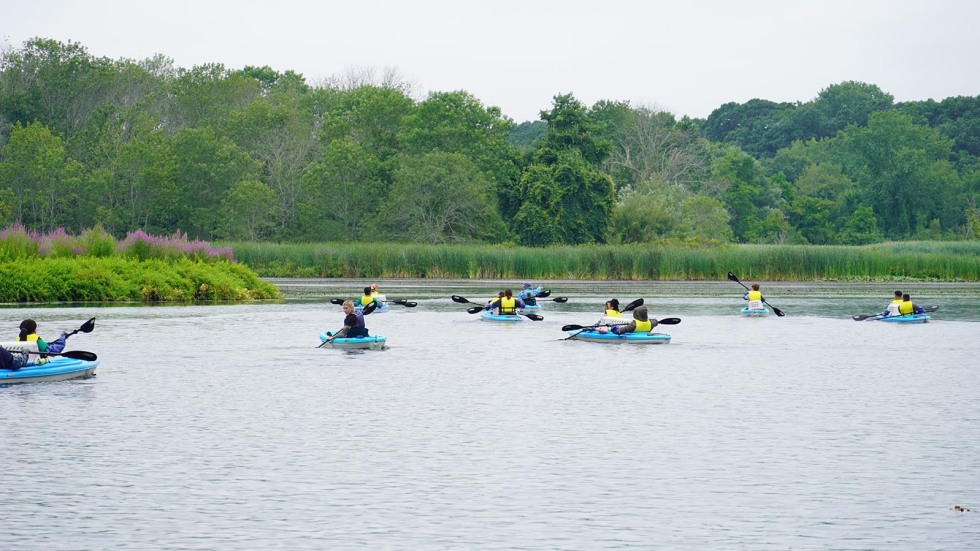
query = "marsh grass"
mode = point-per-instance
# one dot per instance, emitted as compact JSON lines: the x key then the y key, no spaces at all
{"x":936,"y":261}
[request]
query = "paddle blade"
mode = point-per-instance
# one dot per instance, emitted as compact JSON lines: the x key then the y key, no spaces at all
{"x":560,"y":300}
{"x":79,"y":355}
{"x":337,"y":301}
{"x":545,"y":293}
{"x":573,"y":327}
{"x":89,"y":325}
{"x":777,"y":311}
{"x":406,"y":303}
{"x":862,"y":317}
{"x":632,"y":305}
{"x":533,"y":317}
{"x":669,"y":321}
{"x":930,"y":309}
{"x":459,"y":299}
{"x":731,"y":277}
{"x":474,"y":310}
{"x":369,"y":308}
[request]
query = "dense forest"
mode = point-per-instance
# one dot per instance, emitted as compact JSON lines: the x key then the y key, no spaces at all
{"x":258,"y":154}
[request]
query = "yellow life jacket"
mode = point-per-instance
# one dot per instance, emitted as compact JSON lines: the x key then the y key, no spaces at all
{"x":643,"y":326}
{"x":755,"y":295}
{"x":613,"y":314}
{"x":508,"y":306}
{"x":905,"y":308}
{"x":41,"y":345}
{"x":366,"y":299}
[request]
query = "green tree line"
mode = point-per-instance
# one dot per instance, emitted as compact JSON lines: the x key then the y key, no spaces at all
{"x":257,"y":154}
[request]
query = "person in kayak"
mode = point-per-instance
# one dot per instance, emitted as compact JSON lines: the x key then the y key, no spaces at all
{"x":641,"y":323}
{"x":892,"y":309}
{"x":907,"y":307}
{"x":527,"y":294}
{"x":754,"y":296}
{"x":612,"y":309}
{"x":353,"y":324}
{"x":368,"y":298}
{"x":506,"y":305}
{"x":378,"y":295}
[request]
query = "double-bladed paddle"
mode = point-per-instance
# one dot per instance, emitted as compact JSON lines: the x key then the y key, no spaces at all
{"x":73,"y":354}
{"x":86,"y":327}
{"x":862,"y":317}
{"x":406,"y":303}
{"x":573,"y":327}
{"x":778,"y":312}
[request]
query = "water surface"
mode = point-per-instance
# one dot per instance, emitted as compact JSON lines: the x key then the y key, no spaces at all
{"x":224,"y":427}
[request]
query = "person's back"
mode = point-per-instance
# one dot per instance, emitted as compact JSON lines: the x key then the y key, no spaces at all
{"x":506,"y":305}
{"x":754,"y":296}
{"x":906,"y":307}
{"x":641,"y":323}
{"x":368,"y":298}
{"x":893,"y":306}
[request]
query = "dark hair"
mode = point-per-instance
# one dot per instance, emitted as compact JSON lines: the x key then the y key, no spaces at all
{"x":508,"y":293}
{"x":28,"y":325}
{"x":367,"y":290}
{"x":898,"y":293}
{"x":614,"y":303}
{"x":906,"y":297}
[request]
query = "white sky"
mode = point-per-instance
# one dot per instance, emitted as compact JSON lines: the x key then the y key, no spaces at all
{"x":685,"y":56}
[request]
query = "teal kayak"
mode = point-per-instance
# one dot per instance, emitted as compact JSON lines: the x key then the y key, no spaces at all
{"x":55,"y":369}
{"x":755,"y":312}
{"x":356,"y":343}
{"x":907,"y":318}
{"x":610,"y":337}
{"x":488,"y":315}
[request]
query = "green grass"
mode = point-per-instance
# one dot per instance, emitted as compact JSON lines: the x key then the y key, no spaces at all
{"x":927,"y":261}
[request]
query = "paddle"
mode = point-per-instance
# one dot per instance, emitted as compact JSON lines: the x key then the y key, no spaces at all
{"x":632,"y":305}
{"x":478,"y":309}
{"x":73,"y":354}
{"x":543,"y":294}
{"x":86,"y":327}
{"x":559,"y":300}
{"x":406,"y":303}
{"x":778,"y":312}
{"x":367,"y":309}
{"x":573,"y":327}
{"x":862,"y":317}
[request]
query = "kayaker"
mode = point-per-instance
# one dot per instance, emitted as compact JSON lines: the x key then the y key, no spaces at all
{"x":28,"y":333}
{"x":641,"y":323}
{"x":506,"y":305}
{"x":368,"y":298}
{"x":892,"y":309}
{"x":907,"y":307}
{"x":353,"y":323}
{"x":11,"y":361}
{"x":527,"y":294}
{"x":612,"y":309}
{"x":754,"y":296}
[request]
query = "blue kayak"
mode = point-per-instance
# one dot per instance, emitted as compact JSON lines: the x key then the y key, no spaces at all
{"x":55,"y":369}
{"x":907,"y":318}
{"x":356,"y":343}
{"x":383,"y":308}
{"x":610,"y":337}
{"x":488,"y":315}
{"x":755,"y":312}
{"x":531,"y":307}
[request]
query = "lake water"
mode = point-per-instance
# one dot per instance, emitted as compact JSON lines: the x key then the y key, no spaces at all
{"x":224,"y":427}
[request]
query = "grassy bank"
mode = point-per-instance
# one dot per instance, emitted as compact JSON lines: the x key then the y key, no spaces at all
{"x":927,"y":261}
{"x":92,"y":279}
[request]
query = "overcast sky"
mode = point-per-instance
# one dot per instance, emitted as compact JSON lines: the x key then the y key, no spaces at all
{"x":685,"y":56}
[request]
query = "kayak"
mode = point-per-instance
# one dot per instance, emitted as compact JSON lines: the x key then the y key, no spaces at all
{"x":488,"y":315}
{"x":531,"y":307}
{"x":383,"y":308}
{"x":610,"y":337}
{"x":55,"y":369}
{"x":755,"y":312}
{"x":356,"y":343}
{"x":907,"y":318}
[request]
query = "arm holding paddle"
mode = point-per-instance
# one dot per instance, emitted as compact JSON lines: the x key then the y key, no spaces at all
{"x":777,"y":311}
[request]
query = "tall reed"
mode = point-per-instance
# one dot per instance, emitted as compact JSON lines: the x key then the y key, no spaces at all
{"x":917,"y":260}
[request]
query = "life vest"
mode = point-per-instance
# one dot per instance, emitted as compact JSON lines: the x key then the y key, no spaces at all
{"x":906,"y":308}
{"x":755,"y":295}
{"x":507,"y":306}
{"x":360,"y":319}
{"x":643,"y":326}
{"x":366,"y":299}
{"x":613,"y":314}
{"x":41,"y":345}
{"x":894,"y":307}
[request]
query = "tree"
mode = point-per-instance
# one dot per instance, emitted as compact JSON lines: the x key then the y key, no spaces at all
{"x":343,"y":192}
{"x":440,"y":198}
{"x":249,"y":211}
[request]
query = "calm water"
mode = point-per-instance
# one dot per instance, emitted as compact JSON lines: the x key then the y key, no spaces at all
{"x":224,"y":427}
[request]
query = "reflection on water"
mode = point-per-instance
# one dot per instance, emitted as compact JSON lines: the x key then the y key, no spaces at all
{"x":224,"y":427}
